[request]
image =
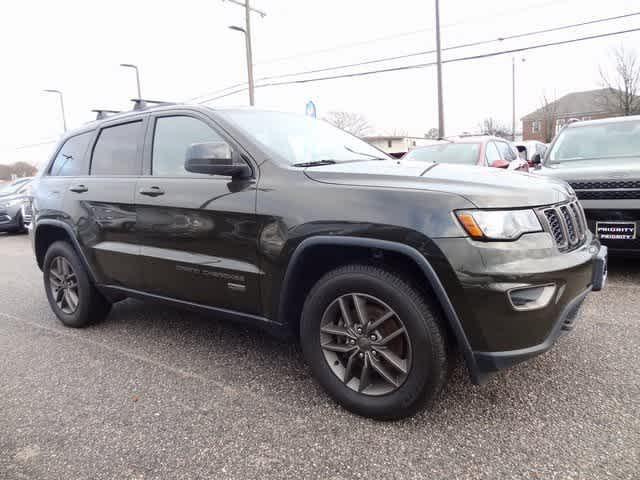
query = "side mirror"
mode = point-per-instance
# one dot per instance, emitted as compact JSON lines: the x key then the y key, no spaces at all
{"x":536,"y":159}
{"x":214,"y":158}
{"x":500,"y":164}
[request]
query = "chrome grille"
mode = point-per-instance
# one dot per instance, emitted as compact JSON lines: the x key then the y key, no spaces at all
{"x":566,"y":224}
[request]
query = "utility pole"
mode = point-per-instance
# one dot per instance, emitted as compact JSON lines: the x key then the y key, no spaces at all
{"x":247,"y":34}
{"x":513,"y":98}
{"x":130,"y":65}
{"x":439,"y":62}
{"x":59,"y":93}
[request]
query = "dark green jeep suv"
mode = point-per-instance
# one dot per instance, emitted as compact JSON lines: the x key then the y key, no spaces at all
{"x":380,"y":268}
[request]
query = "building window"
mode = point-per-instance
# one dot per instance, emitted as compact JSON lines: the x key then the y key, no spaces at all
{"x":560,"y":123}
{"x":535,"y":126}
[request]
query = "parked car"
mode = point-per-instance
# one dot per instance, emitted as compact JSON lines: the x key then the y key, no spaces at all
{"x":481,"y":150}
{"x":12,"y":197}
{"x":528,"y":148}
{"x":378,"y":267}
{"x":601,"y":161}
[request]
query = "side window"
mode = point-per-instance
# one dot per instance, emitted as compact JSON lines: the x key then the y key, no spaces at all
{"x":491,"y":153}
{"x":116,"y":150}
{"x":506,"y":152}
{"x":171,"y":139}
{"x":71,"y":159}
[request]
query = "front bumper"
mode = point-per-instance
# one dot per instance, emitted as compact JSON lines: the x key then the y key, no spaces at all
{"x":499,"y":334}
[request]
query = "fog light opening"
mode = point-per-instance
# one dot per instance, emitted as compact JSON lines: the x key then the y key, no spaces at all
{"x":531,"y":298}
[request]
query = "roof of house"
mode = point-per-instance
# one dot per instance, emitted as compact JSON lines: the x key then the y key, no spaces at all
{"x":578,"y":103}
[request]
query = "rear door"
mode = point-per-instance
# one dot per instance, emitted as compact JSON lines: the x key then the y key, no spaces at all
{"x":101,"y":203}
{"x":198,"y":233}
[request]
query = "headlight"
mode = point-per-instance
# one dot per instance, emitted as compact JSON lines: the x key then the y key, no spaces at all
{"x":11,"y":203}
{"x":498,"y":224}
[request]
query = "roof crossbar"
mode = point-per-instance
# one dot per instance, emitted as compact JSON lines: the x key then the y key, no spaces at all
{"x":142,"y":103}
{"x":104,"y":113}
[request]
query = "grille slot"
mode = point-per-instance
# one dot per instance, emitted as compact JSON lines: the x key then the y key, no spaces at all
{"x":605,"y":184}
{"x":608,"y":194}
{"x":566,"y":224}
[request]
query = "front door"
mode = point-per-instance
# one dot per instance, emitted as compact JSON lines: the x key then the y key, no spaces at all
{"x":198,"y":233}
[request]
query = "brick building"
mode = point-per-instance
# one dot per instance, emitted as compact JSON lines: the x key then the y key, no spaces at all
{"x":544,"y":123}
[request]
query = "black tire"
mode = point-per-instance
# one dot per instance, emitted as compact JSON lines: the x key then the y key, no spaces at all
{"x":91,"y":306}
{"x":428,"y":367}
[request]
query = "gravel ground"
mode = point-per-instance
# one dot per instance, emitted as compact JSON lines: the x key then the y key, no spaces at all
{"x":158,"y":393}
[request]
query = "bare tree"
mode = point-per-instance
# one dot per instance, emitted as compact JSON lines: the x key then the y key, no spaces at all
{"x":432,"y":133}
{"x":353,"y":123}
{"x":549,"y":114}
{"x":19,"y":169}
{"x":622,"y":88}
{"x":397,"y":132}
{"x":491,"y":126}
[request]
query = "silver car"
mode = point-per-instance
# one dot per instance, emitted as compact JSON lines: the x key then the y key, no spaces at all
{"x":601,"y":161}
{"x":13,"y":197}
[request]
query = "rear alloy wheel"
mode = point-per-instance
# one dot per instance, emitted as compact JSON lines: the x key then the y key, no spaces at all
{"x":63,"y":283}
{"x":374,"y":341}
{"x":72,"y":296}
{"x":365,"y":344}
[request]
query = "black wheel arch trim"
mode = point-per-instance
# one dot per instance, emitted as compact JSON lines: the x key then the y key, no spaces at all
{"x":401,"y":248}
{"x":72,"y":237}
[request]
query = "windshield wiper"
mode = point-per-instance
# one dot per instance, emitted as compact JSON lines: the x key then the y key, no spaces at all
{"x":363,"y":154}
{"x":315,"y":163}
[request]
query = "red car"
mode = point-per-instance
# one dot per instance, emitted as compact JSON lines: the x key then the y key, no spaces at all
{"x":484,"y":151}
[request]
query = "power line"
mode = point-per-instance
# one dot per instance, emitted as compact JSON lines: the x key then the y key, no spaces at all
{"x":429,"y":64}
{"x":426,"y":52}
{"x":403,"y":34}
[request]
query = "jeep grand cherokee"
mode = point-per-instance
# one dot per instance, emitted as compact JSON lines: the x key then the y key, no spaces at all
{"x":601,"y":161}
{"x":378,"y":267}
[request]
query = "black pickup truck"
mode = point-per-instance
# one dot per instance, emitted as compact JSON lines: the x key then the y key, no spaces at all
{"x":380,"y":268}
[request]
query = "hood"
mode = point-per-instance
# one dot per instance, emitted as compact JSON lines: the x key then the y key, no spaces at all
{"x":597,"y":169}
{"x":485,"y":187}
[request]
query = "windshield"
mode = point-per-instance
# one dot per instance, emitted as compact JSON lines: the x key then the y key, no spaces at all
{"x":298,"y":139}
{"x":461,"y":153}
{"x":597,"y":142}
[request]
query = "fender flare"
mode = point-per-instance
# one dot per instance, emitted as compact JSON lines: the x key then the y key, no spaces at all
{"x":403,"y":249}
{"x":72,"y":237}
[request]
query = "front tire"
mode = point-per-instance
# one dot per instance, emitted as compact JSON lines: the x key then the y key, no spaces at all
{"x":72,"y":296}
{"x":374,"y":342}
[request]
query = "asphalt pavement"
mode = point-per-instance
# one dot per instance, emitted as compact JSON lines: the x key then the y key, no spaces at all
{"x":158,"y":393}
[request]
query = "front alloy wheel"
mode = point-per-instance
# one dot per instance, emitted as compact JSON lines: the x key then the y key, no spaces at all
{"x":366,"y":344}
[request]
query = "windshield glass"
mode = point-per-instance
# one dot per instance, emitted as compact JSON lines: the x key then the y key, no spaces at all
{"x":298,"y":139}
{"x":597,"y":142}
{"x":461,"y":153}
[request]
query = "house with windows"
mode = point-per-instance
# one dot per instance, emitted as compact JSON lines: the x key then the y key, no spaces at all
{"x":544,"y":123}
{"x":396,"y":146}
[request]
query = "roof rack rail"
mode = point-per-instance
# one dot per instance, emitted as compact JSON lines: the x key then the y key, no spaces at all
{"x":142,"y":103}
{"x":102,"y":113}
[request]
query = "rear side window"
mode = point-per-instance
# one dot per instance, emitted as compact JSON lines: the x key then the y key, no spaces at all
{"x":71,"y":159}
{"x":171,"y":139}
{"x":116,"y":150}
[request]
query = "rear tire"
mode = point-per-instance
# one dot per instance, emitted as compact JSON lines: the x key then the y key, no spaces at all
{"x":72,"y":296}
{"x":351,"y":360}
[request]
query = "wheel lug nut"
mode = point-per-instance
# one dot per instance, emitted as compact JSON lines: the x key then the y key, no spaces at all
{"x":359,"y":329}
{"x":373,"y":337}
{"x":352,"y":341}
{"x":361,"y":355}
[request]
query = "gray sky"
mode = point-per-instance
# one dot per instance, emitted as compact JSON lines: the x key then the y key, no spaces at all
{"x":184,"y":49}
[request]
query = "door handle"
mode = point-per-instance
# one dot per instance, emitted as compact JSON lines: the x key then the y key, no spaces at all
{"x":78,"y":189}
{"x":151,"y":191}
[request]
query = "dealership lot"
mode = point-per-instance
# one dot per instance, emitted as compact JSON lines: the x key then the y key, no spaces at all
{"x":159,"y":393}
